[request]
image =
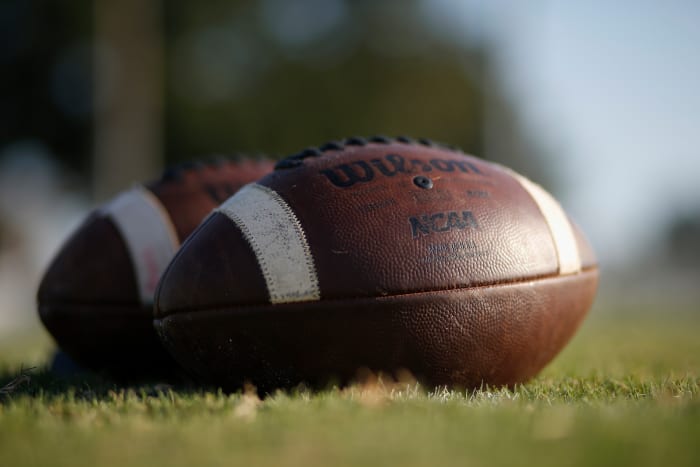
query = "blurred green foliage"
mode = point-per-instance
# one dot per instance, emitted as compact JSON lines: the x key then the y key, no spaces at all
{"x":261,"y":76}
{"x":376,"y":70}
{"x":45,"y":84}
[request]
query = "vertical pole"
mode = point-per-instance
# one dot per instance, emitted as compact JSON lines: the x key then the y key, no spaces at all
{"x":128,"y":123}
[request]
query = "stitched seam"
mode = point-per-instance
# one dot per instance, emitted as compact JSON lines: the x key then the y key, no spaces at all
{"x":588,"y":269}
{"x":144,"y":196}
{"x":297,"y":236}
{"x":296,"y":160}
{"x":529,"y":186}
{"x":248,"y":235}
{"x":291,"y":216}
{"x":175,"y":172}
{"x":150,"y":197}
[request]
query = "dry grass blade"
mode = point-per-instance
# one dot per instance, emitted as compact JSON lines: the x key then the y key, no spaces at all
{"x":21,"y":379}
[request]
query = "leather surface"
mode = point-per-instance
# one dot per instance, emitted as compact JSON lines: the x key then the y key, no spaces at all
{"x":362,"y":238}
{"x":89,"y":302}
{"x":227,"y":271}
{"x":588,"y":257}
{"x":196,"y":192}
{"x":88,"y":298}
{"x":454,"y":277}
{"x":93,"y":266}
{"x":111,"y":338}
{"x":499,"y":335}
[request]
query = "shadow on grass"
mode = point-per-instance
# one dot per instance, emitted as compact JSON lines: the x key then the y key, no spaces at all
{"x":54,"y":381}
{"x":47,"y":382}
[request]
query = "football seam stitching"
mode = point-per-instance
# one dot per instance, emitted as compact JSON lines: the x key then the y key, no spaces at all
{"x":556,"y":219}
{"x":145,"y":197}
{"x":174,"y":173}
{"x":583,"y":270}
{"x":258,"y":250}
{"x":292,"y":217}
{"x":295,"y":160}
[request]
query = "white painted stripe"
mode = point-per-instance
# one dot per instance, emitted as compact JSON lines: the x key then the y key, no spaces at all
{"x":559,"y":225}
{"x":149,"y":235}
{"x":278,"y":241}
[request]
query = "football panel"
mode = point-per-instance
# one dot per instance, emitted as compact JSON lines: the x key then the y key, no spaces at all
{"x":500,"y":335}
{"x":384,"y":234}
{"x":93,"y":266}
{"x":117,"y":339}
{"x":89,"y":297}
{"x":148,"y":233}
{"x":195,"y":193}
{"x":588,"y":256}
{"x":215,"y":266}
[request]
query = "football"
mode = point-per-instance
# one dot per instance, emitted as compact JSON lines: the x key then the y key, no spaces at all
{"x":378,"y":254}
{"x":96,"y":298}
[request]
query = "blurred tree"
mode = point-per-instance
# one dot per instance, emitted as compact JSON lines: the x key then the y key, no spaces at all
{"x":128,"y":94}
{"x":277,"y":76}
{"x":269,"y":76}
{"x":248,"y":80}
{"x":45,"y":84}
{"x":683,"y":240}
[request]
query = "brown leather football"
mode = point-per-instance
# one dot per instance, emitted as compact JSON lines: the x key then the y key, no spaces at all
{"x":96,"y":298}
{"x":382,"y":254}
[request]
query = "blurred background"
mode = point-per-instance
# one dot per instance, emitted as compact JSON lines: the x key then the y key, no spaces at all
{"x":597,"y":101}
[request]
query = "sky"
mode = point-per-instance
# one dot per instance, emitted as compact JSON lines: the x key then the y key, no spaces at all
{"x":611,"y":90}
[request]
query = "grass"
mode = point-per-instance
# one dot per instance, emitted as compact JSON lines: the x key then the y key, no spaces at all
{"x":624,"y":392}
